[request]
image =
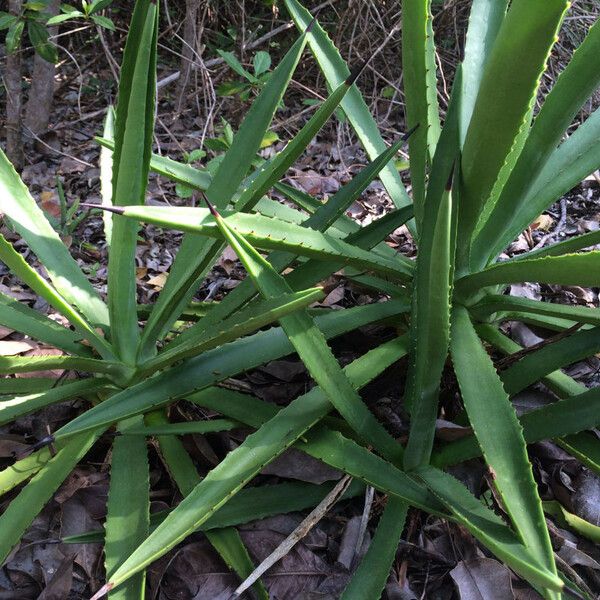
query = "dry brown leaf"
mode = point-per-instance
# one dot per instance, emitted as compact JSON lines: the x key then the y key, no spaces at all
{"x":5,"y":332}
{"x":543,"y":223}
{"x":49,"y":203}
{"x":11,"y":347}
{"x":158,"y":281}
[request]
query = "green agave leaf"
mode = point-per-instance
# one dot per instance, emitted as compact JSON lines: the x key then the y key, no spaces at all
{"x":485,"y":19}
{"x":572,"y":89}
{"x":18,"y":316}
{"x":226,"y":541}
{"x":583,"y":446}
{"x":217,"y":365}
{"x":185,"y":428}
{"x":23,"y":469}
{"x":420,"y":88}
{"x":16,"y":406}
{"x":198,"y":338}
{"x":243,"y":463}
{"x":28,"y":385}
{"x":249,"y":504}
{"x":329,"y":213}
{"x":272,"y":208}
{"x":432,"y":290}
{"x":489,"y":528}
{"x":271,"y":172}
{"x":31,"y":224}
{"x":373,"y":572}
{"x":16,"y":263}
{"x":194,"y":312}
{"x":344,"y":454}
{"x":532,"y":367}
{"x":27,"y":364}
{"x":271,"y":234}
{"x":557,"y":381}
{"x":312,"y":347}
{"x":567,"y":269}
{"x":366,"y":238}
{"x":496,"y":303}
{"x":550,"y":323}
{"x":568,"y":246}
{"x":430,"y":324}
{"x":335,"y":71}
{"x":568,"y":165}
{"x":246,"y":142}
{"x":128,"y":507}
{"x":196,"y":254}
{"x":19,"y":514}
{"x":500,"y":436}
{"x":567,"y":519}
{"x":134,"y":127}
{"x":506,"y":94}
{"x":559,"y":419}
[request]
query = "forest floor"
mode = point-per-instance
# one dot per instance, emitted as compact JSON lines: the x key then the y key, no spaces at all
{"x":436,"y":560}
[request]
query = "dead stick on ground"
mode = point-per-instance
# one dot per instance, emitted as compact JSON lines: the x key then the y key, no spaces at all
{"x":291,"y":540}
{"x":364,"y":521}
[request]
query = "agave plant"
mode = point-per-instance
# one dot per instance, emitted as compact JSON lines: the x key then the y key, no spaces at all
{"x":477,"y":182}
{"x":120,"y":365}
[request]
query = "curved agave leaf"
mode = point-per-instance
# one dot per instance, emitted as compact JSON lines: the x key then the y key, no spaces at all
{"x":199,"y":338}
{"x":28,"y":275}
{"x":335,"y":70}
{"x":556,"y":420}
{"x":18,"y":316}
{"x":566,"y":269}
{"x":500,"y":436}
{"x":128,"y":507}
{"x":572,"y":89}
{"x":506,"y":95}
{"x":532,"y":367}
{"x":249,"y":504}
{"x":31,"y":224}
{"x":420,"y":88}
{"x":16,"y":406}
{"x":369,"y":579}
{"x":485,"y":19}
{"x":33,"y":497}
{"x":269,"y":233}
{"x":569,"y":164}
{"x":134,"y":127}
{"x":490,"y":529}
{"x":568,"y":246}
{"x":496,"y":303}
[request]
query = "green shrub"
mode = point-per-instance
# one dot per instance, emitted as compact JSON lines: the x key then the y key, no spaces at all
{"x":477,"y":181}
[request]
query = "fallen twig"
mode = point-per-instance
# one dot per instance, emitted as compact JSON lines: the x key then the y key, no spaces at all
{"x":291,"y":540}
